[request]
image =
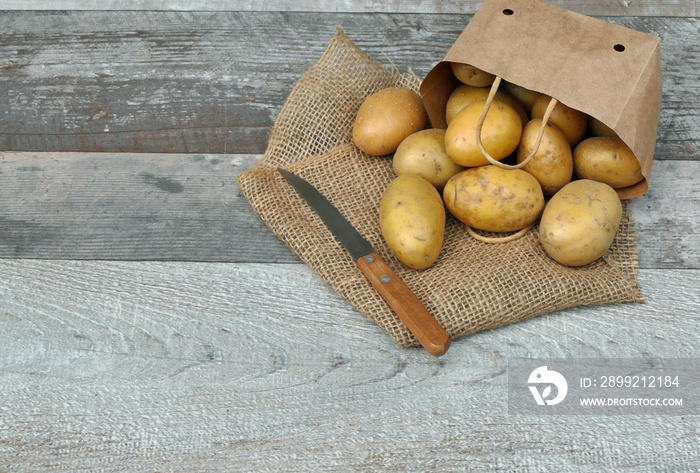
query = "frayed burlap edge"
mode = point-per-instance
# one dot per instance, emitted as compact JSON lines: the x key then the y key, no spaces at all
{"x":473,"y":286}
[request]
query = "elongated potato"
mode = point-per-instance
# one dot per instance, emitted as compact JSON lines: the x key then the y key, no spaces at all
{"x":525,"y":96}
{"x":412,"y":220}
{"x":579,"y":223}
{"x":500,"y":133}
{"x":607,"y":159}
{"x":386,"y":118}
{"x":572,"y":122}
{"x":471,"y":75}
{"x":465,"y":94}
{"x":423,"y":153}
{"x":493,"y":199}
{"x":552,"y":164}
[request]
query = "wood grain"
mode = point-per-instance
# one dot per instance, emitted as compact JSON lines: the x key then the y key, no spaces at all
{"x":130,"y":207}
{"x":589,"y":7}
{"x":188,"y":207}
{"x":213,"y":82}
{"x":157,"y":366}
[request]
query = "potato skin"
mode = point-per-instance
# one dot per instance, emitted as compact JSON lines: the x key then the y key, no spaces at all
{"x":572,"y":122}
{"x":423,"y":153}
{"x":500,"y":133}
{"x":385,"y":118}
{"x":412,"y":220}
{"x":525,"y":96}
{"x":493,"y":199}
{"x":471,"y":75}
{"x":607,"y":159}
{"x":579,"y":223}
{"x":552,"y":164}
{"x":465,"y":94}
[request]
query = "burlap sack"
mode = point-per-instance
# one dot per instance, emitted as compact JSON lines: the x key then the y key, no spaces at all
{"x":473,"y":286}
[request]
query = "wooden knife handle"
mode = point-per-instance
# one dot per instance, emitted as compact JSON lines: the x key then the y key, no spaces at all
{"x":417,"y":319}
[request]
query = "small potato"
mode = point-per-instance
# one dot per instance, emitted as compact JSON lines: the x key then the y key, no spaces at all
{"x":525,"y":96}
{"x":572,"y":122}
{"x":471,"y":75}
{"x":464,"y":95}
{"x":598,"y":128}
{"x":579,"y":223}
{"x":386,"y":118}
{"x":423,"y":153}
{"x":607,"y":159}
{"x":500,"y":133}
{"x":412,"y":220}
{"x":552,"y":164}
{"x":493,"y":199}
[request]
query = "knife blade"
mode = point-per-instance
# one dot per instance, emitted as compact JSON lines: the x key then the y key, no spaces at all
{"x":429,"y":333}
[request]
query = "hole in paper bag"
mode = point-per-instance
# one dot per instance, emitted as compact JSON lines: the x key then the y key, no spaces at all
{"x":619,"y":47}
{"x":508,"y":11}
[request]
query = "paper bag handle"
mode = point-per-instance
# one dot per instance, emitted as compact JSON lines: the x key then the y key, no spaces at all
{"x":492,"y":94}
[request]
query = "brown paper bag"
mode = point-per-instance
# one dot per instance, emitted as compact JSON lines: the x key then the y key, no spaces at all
{"x":608,"y":71}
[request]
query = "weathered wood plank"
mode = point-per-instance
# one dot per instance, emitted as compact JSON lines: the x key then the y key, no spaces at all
{"x":132,"y":207}
{"x":189,"y":208}
{"x":589,"y":7}
{"x":202,"y":367}
{"x":205,"y":82}
{"x":668,"y":217}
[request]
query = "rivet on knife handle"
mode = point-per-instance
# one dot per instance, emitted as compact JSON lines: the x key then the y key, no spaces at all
{"x":401,"y":299}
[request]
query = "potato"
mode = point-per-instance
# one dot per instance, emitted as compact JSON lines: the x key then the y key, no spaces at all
{"x":598,"y":128}
{"x":493,"y":199}
{"x":552,"y":164}
{"x":412,"y":220}
{"x":572,"y":122}
{"x":579,"y":223}
{"x":465,"y":94}
{"x":423,"y":153}
{"x":500,"y":133}
{"x":525,"y":96}
{"x":607,"y":159}
{"x":386,"y":118}
{"x":471,"y":75}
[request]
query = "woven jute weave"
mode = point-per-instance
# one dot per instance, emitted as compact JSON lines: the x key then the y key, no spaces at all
{"x":473,"y":286}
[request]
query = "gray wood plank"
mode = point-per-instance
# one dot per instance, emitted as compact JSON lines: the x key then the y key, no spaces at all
{"x":213,"y":82}
{"x":154,"y":366}
{"x":589,"y":7}
{"x":130,"y":207}
{"x":668,"y":218}
{"x":188,"y":207}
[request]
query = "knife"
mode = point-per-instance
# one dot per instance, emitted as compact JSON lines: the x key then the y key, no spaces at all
{"x":431,"y":335}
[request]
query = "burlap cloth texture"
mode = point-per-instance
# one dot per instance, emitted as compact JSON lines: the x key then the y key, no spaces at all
{"x":473,"y":286}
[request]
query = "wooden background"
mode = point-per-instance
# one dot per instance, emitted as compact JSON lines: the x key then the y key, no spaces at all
{"x":149,"y":321}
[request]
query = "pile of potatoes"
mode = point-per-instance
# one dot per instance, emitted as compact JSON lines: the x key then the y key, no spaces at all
{"x":568,"y":185}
